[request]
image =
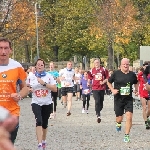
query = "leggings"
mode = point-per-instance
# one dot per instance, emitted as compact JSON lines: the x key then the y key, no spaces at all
{"x":59,"y":93}
{"x":42,"y":114}
{"x":54,"y":97}
{"x":86,"y":98}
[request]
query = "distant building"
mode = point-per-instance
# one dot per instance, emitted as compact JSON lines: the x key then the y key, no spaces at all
{"x":145,"y":53}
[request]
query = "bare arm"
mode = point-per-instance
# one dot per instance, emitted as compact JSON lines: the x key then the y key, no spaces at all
{"x":25,"y":90}
{"x":110,"y":86}
{"x":58,"y":80}
{"x":51,"y":87}
{"x":114,"y":91}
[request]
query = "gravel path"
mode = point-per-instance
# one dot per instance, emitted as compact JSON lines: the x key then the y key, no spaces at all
{"x":81,"y":131}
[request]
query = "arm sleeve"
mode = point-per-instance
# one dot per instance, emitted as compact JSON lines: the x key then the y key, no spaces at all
{"x":22,"y":74}
{"x":28,"y":80}
{"x":135,"y":81}
{"x":112,"y":78}
{"x":106,"y":74}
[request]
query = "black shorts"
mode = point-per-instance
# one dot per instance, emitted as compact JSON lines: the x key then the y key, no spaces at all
{"x":123,"y":104}
{"x":65,"y":90}
{"x":77,"y":88}
{"x":147,"y":98}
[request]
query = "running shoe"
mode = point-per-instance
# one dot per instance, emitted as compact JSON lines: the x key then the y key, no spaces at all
{"x":51,"y":116}
{"x":44,"y":146}
{"x":118,"y":127}
{"x":147,"y":126}
{"x":126,"y":138}
{"x":148,"y":121}
{"x":87,"y":111}
{"x":68,"y":113}
{"x":83,"y":110}
{"x":98,"y":119}
{"x":40,"y":147}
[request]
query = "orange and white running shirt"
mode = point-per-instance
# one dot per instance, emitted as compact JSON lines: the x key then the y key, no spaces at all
{"x":8,"y":78}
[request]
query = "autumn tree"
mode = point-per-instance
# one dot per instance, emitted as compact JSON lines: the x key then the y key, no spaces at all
{"x":116,"y":20}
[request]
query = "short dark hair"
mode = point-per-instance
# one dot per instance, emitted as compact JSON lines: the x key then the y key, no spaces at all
{"x":3,"y":39}
{"x":40,"y":60}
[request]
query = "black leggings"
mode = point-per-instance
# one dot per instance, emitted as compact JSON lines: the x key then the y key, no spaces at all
{"x":42,"y":114}
{"x":59,"y":93}
{"x":86,"y":98}
{"x":54,"y":98}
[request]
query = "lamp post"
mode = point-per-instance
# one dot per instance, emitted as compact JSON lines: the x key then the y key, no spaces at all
{"x":37,"y":32}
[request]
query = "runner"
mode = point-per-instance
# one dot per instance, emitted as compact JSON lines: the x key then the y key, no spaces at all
{"x":77,"y":83}
{"x":99,"y":77}
{"x":55,"y":75}
{"x":144,"y":97}
{"x":86,"y":92}
{"x":42,"y":84}
{"x":66,"y":76}
{"x":10,"y":72}
{"x":123,"y":80}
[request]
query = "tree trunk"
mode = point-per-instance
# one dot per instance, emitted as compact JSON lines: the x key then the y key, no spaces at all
{"x":110,"y":56}
{"x":55,"y":49}
{"x":27,"y":52}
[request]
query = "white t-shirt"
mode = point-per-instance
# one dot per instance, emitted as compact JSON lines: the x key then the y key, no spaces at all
{"x":77,"y":75}
{"x":41,"y":94}
{"x":68,"y":77}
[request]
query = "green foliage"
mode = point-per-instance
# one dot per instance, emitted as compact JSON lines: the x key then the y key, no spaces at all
{"x":81,"y":28}
{"x":67,"y":25}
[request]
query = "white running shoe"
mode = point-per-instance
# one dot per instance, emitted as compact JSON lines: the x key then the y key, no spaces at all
{"x":87,"y":111}
{"x":83,"y":110}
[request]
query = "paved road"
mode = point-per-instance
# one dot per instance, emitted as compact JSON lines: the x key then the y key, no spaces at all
{"x":81,"y":131}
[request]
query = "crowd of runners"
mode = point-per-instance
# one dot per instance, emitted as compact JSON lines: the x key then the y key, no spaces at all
{"x":48,"y":86}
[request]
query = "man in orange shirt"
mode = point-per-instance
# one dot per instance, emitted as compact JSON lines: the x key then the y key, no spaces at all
{"x":10,"y":72}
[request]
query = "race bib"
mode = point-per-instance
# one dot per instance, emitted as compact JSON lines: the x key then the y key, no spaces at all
{"x":67,"y":84}
{"x":125,"y":91}
{"x":98,"y":76}
{"x":86,"y":91}
{"x":41,"y":93}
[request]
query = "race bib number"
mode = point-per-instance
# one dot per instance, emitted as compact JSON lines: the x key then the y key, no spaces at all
{"x":98,"y":76}
{"x":41,"y":93}
{"x":125,"y":91}
{"x":86,"y":91}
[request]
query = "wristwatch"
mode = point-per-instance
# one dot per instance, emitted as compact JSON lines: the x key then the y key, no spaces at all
{"x":44,"y":84}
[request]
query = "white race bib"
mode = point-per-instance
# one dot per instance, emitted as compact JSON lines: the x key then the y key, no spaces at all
{"x":125,"y":91}
{"x":98,"y":76}
{"x":41,"y":93}
{"x":86,"y":91}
